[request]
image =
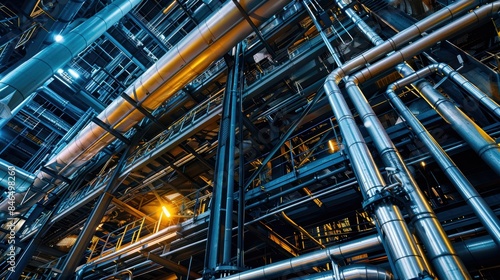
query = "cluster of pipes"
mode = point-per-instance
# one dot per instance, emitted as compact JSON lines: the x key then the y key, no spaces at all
{"x":218,"y":34}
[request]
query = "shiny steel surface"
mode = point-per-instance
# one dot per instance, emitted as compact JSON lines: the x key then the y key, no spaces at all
{"x":209,"y":41}
{"x":398,"y":241}
{"x":465,"y":188}
{"x":45,"y":64}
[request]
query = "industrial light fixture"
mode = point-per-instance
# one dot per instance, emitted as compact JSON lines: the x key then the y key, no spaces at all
{"x":73,"y":73}
{"x":58,"y":38}
{"x":333,"y":145}
{"x":165,"y":211}
{"x":60,"y":71}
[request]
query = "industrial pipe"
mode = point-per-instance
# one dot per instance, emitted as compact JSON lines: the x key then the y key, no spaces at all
{"x":352,"y":272}
{"x":483,"y":144}
{"x":465,"y":188}
{"x":190,"y":57}
{"x":363,"y":245}
{"x":16,"y":86}
{"x":400,"y":247}
{"x":429,"y":230}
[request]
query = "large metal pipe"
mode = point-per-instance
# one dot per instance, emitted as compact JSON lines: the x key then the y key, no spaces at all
{"x":363,"y":245}
{"x":442,"y":255}
{"x":16,"y":86}
{"x":352,"y":272}
{"x":190,"y":57}
{"x":475,"y":92}
{"x":465,"y":188}
{"x":483,"y":144}
{"x":400,"y":247}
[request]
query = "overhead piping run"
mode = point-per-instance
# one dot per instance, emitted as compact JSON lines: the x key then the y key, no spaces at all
{"x":353,"y":272}
{"x":209,"y":41}
{"x":483,"y":144}
{"x":467,"y":191}
{"x":16,"y":86}
{"x":428,"y":228}
{"x":351,"y":248}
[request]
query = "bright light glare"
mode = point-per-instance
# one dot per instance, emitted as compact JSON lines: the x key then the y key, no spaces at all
{"x":58,"y":38}
{"x":60,"y":71}
{"x":165,"y":211}
{"x":74,"y":73}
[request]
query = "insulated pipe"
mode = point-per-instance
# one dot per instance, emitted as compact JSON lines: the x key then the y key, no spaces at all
{"x":442,"y":255}
{"x":484,"y":145}
{"x":352,"y":272}
{"x":190,"y":57}
{"x":16,"y":86}
{"x":401,"y":38}
{"x":465,"y":188}
{"x":475,"y":92}
{"x":400,"y":247}
{"x":363,"y":245}
{"x":440,"y":252}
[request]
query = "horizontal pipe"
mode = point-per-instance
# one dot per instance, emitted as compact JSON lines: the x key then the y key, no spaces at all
{"x":16,"y":86}
{"x":352,"y":272}
{"x":190,"y":57}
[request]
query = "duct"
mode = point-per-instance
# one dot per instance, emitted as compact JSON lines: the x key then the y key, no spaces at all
{"x":209,"y":41}
{"x":4,"y":121}
{"x":351,"y":248}
{"x":353,"y":272}
{"x":484,"y":145}
{"x":23,"y":179}
{"x":17,"y":86}
{"x":464,"y":187}
{"x":442,"y":255}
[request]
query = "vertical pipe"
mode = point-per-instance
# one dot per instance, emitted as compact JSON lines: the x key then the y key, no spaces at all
{"x":16,"y":86}
{"x":429,"y":230}
{"x":464,"y":187}
{"x":397,"y":238}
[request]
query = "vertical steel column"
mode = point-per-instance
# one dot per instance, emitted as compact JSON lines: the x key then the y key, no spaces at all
{"x":16,"y":86}
{"x":217,"y":252}
{"x":231,"y":145}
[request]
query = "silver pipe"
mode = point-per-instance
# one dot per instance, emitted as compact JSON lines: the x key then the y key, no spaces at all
{"x":442,"y":255}
{"x":483,"y":144}
{"x":341,"y":251}
{"x":465,"y":188}
{"x":190,"y":57}
{"x":401,"y":38}
{"x":400,"y":247}
{"x":475,"y":92}
{"x":352,"y":272}
{"x":16,"y":86}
